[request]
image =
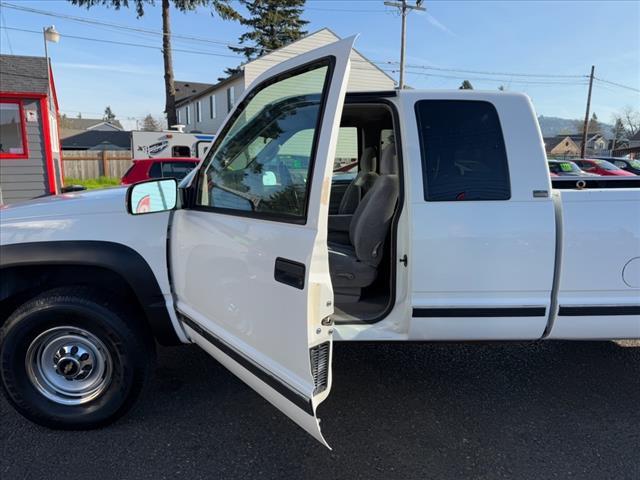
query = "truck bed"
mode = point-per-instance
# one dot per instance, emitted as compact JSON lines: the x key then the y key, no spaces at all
{"x":599,"y":269}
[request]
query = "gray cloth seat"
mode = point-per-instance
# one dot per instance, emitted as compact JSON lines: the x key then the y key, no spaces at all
{"x":361,"y":184}
{"x":355,"y":266}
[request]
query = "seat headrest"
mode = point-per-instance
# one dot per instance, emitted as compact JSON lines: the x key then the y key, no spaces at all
{"x":368,"y":160}
{"x":388,"y":160}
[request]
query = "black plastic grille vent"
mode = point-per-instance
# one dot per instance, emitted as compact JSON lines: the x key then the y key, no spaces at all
{"x":320,"y":366}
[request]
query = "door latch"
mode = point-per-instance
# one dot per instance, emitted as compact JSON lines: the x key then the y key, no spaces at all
{"x":404,"y":260}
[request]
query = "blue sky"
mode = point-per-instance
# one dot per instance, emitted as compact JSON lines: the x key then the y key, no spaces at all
{"x":551,"y":38}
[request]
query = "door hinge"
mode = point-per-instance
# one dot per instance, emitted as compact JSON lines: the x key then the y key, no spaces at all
{"x":404,"y":260}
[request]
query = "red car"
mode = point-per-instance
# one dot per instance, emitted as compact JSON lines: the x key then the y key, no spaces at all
{"x":158,"y":168}
{"x":601,"y":167}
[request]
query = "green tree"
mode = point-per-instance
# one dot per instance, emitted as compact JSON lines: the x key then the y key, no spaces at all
{"x":271,"y":24}
{"x":594,"y":124}
{"x":466,"y":85}
{"x":620,"y":139}
{"x":108,"y":114}
{"x":150,"y":124}
{"x":139,"y":6}
{"x":630,"y":119}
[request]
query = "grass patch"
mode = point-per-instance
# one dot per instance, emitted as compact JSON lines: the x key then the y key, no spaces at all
{"x":93,"y":183}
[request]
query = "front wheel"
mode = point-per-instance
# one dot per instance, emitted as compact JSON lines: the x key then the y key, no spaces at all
{"x":71,"y":359}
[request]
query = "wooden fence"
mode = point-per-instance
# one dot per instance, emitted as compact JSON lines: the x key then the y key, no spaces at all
{"x":86,"y":164}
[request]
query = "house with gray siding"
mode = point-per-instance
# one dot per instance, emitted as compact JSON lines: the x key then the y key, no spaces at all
{"x":30,"y":158}
{"x":203,"y":108}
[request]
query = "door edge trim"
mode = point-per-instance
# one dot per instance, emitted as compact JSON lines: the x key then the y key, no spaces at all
{"x":294,"y":396}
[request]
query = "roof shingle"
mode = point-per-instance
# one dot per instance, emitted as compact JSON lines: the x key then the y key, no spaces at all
{"x":23,"y":74}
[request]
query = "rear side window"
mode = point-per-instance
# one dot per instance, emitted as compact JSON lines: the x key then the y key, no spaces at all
{"x":177,"y":170}
{"x":463,"y":151}
{"x":156,"y":170}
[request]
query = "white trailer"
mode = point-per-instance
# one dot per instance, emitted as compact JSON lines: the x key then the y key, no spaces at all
{"x":169,"y":143}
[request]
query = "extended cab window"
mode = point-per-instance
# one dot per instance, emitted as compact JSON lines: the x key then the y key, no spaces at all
{"x":463,"y":151}
{"x":263,"y":162}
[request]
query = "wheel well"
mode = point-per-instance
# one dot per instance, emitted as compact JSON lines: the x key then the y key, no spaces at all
{"x":21,"y":283}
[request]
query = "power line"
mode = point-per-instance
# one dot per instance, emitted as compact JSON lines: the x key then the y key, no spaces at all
{"x":190,"y":38}
{"x":193,"y":38}
{"x":460,"y":77}
{"x":4,"y":20}
{"x":617,"y":84}
{"x":110,"y":24}
{"x":158,"y":48}
{"x":481,"y":72}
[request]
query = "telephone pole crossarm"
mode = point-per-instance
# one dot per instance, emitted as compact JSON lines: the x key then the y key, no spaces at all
{"x":404,"y":8}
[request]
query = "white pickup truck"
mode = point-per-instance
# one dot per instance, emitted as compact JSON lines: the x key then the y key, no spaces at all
{"x":450,"y":230}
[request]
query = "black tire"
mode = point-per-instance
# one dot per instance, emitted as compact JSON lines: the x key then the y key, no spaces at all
{"x":130,"y":346}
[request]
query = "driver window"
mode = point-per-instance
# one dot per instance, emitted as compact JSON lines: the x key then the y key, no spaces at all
{"x":263,"y":162}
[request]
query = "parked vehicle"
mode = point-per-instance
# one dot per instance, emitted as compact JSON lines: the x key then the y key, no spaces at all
{"x":169,"y":143}
{"x":457,"y":235}
{"x":562,"y":168}
{"x":601,"y":167}
{"x":627,"y":164}
{"x":141,"y":170}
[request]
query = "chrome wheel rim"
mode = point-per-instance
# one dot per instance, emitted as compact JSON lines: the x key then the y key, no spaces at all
{"x":69,"y":365}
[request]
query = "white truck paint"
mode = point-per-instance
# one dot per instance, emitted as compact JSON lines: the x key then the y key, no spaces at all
{"x":559,"y":265}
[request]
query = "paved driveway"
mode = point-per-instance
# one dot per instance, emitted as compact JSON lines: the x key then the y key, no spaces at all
{"x":548,"y":410}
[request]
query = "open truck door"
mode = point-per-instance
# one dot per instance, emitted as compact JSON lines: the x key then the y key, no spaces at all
{"x":249,"y":256}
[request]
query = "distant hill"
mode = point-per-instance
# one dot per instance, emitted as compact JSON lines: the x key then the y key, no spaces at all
{"x":552,"y":126}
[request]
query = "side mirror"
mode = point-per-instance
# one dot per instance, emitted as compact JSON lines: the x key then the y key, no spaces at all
{"x":152,"y":196}
{"x":269,"y":179}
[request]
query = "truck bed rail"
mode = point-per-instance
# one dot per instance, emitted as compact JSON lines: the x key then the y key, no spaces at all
{"x":581,"y":183}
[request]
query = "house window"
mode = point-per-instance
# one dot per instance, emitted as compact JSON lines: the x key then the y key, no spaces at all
{"x":188,"y":114}
{"x":198,"y":111}
{"x":12,"y":130}
{"x":231,"y":98}
{"x":212,"y":106}
{"x":179,"y":116}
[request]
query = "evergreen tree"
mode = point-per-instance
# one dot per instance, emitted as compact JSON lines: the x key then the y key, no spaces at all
{"x":108,"y":114}
{"x":271,"y":24}
{"x":466,"y":85}
{"x":619,"y":135}
{"x":594,"y":124}
{"x":150,"y":124}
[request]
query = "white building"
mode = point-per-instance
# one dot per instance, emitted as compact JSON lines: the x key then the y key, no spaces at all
{"x":205,"y":109}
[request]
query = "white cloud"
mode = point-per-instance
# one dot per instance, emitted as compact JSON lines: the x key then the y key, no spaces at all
{"x":436,"y":23}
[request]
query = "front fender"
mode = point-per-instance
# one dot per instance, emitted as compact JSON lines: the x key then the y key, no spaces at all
{"x":116,"y":257}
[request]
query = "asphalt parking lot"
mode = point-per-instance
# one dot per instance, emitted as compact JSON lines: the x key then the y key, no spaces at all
{"x":541,"y":410}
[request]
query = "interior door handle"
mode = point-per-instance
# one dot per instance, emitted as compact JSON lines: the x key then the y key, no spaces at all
{"x":289,"y":272}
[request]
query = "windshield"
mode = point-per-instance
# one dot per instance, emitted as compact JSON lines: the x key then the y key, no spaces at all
{"x":564,"y":167}
{"x":606,"y":165}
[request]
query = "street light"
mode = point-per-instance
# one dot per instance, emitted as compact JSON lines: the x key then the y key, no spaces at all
{"x":50,"y":34}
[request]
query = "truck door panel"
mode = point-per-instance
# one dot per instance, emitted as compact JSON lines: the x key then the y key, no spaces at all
{"x":483,"y":245}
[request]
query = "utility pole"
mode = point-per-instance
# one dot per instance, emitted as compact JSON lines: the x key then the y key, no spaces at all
{"x":404,"y":8}
{"x":585,"y":127}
